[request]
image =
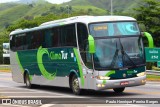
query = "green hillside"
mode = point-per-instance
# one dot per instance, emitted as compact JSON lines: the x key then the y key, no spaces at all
{"x":11,"y":12}
{"x":6,"y":5}
{"x":125,"y":6}
{"x":120,"y":5}
{"x":25,"y":15}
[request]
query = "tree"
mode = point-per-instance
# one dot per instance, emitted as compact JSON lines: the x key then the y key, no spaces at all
{"x":62,"y":9}
{"x":148,"y":14}
{"x":89,"y":11}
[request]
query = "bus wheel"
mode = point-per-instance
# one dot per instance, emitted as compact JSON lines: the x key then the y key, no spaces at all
{"x":119,"y":90}
{"x":27,"y":81}
{"x":75,"y":85}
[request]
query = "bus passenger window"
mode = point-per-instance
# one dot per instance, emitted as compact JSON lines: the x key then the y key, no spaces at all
{"x":33,"y":41}
{"x":19,"y":42}
{"x":48,"y":39}
{"x":25,"y":43}
{"x":55,"y":37}
{"x":68,"y":35}
{"x":39,"y":36}
{"x":12,"y":43}
{"x":82,"y":35}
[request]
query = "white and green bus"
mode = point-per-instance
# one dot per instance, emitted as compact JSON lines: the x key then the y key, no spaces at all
{"x":83,"y":52}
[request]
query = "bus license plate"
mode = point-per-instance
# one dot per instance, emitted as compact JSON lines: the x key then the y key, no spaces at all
{"x":124,"y":83}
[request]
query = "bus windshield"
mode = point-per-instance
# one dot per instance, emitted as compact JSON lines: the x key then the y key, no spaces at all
{"x":115,"y":53}
{"x":123,"y":47}
{"x":114,"y":29}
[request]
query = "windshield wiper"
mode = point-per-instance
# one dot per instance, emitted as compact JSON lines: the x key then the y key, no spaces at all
{"x":124,"y":54}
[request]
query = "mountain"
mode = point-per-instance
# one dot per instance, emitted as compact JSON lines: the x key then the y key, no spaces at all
{"x":11,"y":12}
{"x":29,"y":9}
{"x":118,"y":5}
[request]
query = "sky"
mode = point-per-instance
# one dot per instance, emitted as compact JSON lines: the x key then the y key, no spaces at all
{"x":51,"y":1}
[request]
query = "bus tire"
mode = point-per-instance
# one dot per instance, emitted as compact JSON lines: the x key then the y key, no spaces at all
{"x":118,"y":90}
{"x":75,"y":85}
{"x":28,"y":81}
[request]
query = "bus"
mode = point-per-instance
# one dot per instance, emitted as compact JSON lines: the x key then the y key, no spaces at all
{"x":82,"y":52}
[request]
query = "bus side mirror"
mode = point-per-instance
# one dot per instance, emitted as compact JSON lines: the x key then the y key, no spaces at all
{"x":91,"y":44}
{"x":150,"y":39}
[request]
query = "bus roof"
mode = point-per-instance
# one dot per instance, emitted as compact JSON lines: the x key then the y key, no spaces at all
{"x":81,"y":19}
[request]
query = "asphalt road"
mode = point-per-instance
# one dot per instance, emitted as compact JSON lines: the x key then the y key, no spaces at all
{"x":45,"y":96}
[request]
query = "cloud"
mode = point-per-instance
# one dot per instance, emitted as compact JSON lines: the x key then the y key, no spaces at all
{"x":57,"y":1}
{"x":4,"y":1}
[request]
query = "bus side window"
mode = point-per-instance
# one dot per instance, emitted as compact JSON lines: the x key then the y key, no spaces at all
{"x":19,"y":42}
{"x":55,"y":37}
{"x":83,"y":44}
{"x":82,"y":35}
{"x":40,"y":38}
{"x":12,"y":43}
{"x":68,"y":35}
{"x":33,"y":41}
{"x":25,"y":43}
{"x":48,"y":39}
{"x":36,"y":39}
{"x":28,"y":40}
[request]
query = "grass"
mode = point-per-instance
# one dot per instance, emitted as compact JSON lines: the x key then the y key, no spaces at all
{"x":155,"y":68}
{"x":5,"y":68}
{"x":153,"y":78}
{"x":94,"y":10}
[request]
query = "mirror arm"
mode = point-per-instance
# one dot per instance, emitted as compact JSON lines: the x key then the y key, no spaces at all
{"x":150,"y":39}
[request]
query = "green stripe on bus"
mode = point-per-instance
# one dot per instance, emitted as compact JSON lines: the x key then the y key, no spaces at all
{"x":41,"y":51}
{"x":79,"y":66}
{"x":30,"y":77}
{"x":19,"y":63}
{"x":108,"y":74}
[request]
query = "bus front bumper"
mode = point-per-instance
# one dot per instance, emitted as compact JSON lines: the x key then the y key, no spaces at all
{"x":129,"y":82}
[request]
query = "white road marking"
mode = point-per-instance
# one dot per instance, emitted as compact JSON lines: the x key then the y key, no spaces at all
{"x":6,"y":79}
{"x":12,"y":105}
{"x":33,"y":90}
{"x":116,"y":105}
{"x":41,"y":91}
{"x":155,"y":85}
{"x":47,"y":105}
{"x":39,"y":96}
{"x":21,"y":92}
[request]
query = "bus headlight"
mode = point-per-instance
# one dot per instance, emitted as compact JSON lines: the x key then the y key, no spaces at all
{"x":103,"y":78}
{"x":141,"y":74}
